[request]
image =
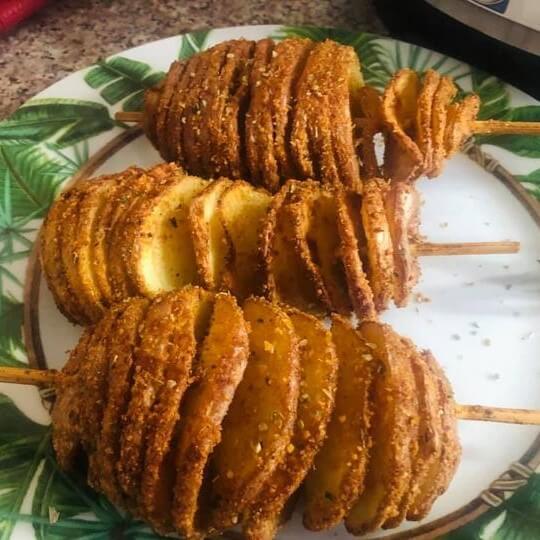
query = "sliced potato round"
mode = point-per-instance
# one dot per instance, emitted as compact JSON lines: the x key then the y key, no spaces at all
{"x":442,"y":471}
{"x":152,"y":97}
{"x":162,"y":254}
{"x":402,"y":158}
{"x":402,"y":205}
{"x":318,"y":379}
{"x":424,"y":134}
{"x":459,"y":123}
{"x":166,"y":341}
{"x":189,"y":324}
{"x":286,"y":66}
{"x":394,"y":428}
{"x":445,"y":93}
{"x":122,"y":350}
{"x":285,"y":278}
{"x":258,"y":427}
{"x":242,"y":210}
{"x":217,"y":372}
{"x":337,"y":477}
{"x":379,"y":242}
{"x":258,"y":122}
{"x":210,"y":243}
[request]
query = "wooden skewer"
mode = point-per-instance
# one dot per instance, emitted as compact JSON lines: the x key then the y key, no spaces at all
{"x":428,"y":249}
{"x":504,"y":127}
{"x":486,"y":127}
{"x":51,"y":377}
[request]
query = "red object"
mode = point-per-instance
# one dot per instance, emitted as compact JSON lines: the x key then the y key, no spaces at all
{"x":12,"y":12}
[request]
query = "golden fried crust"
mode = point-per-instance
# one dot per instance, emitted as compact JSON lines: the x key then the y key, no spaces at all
{"x":128,"y":196}
{"x":258,"y":427}
{"x":66,"y":435}
{"x":358,"y":285}
{"x":151,"y":103}
{"x":232,"y":133}
{"x":286,"y":66}
{"x":445,"y":93}
{"x":94,"y":375}
{"x":78,"y":253}
{"x":402,"y":205}
{"x":379,"y":242}
{"x":318,"y":380}
{"x":242,"y":209}
{"x":210,"y":244}
{"x":285,"y":279}
{"x":337,"y":477}
{"x":424,"y":134}
{"x":429,"y":436}
{"x":326,"y":243}
{"x":173,"y":149}
{"x":50,"y":252}
{"x":162,"y":257}
{"x":402,"y":158}
{"x":368,"y":124}
{"x":104,"y":222}
{"x":165,"y":351}
{"x":394,"y":429}
{"x":298,"y":206}
{"x":459,"y":123}
{"x":443,"y":469}
{"x":121,"y":353}
{"x":218,"y":371}
{"x":187,"y":332}
{"x":164,"y":105}
{"x":258,"y":123}
{"x":195,"y":135}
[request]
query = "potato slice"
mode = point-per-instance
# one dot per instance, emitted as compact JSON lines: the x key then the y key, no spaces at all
{"x":242,"y":210}
{"x":285,"y":278}
{"x":402,"y":158}
{"x":402,"y":205}
{"x":50,"y":253}
{"x":360,"y":292}
{"x":327,"y":250}
{"x":66,"y":433}
{"x":337,"y":477}
{"x":318,"y":379}
{"x":166,"y":347}
{"x":163,"y":257}
{"x":194,"y":131}
{"x":218,"y":371}
{"x":151,"y":102}
{"x":442,"y":470}
{"x":424,"y":134}
{"x":460,"y":118}
{"x":258,"y":122}
{"x":286,"y":66}
{"x":258,"y":427}
{"x":122,"y":350}
{"x":394,"y":427}
{"x":379,"y":242}
{"x":170,"y":83}
{"x":232,"y":133}
{"x":211,"y":245}
{"x":445,"y":93}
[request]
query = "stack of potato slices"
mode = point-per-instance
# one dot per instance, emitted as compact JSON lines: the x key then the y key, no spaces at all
{"x":197,"y":415}
{"x":421,"y":121}
{"x":260,"y":110}
{"x":316,"y":247}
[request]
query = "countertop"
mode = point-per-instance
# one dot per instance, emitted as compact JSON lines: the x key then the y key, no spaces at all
{"x":68,"y":35}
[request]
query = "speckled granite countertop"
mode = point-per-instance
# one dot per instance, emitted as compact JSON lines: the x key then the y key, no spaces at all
{"x":69,"y":35}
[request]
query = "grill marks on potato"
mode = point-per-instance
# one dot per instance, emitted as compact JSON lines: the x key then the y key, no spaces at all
{"x":217,"y":373}
{"x":258,"y":427}
{"x":337,"y":477}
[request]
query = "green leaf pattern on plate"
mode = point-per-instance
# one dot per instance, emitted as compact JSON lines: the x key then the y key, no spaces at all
{"x":44,"y":143}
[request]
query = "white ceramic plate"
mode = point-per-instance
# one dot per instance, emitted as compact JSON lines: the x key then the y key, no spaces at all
{"x":482,"y":320}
